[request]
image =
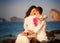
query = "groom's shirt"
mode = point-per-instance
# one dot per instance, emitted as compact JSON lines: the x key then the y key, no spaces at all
{"x":33,"y":23}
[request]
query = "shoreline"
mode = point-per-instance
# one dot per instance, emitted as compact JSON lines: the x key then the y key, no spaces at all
{"x":33,"y":41}
{"x":53,"y":37}
{"x":8,"y":41}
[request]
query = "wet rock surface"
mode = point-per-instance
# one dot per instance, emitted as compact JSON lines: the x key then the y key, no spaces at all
{"x":51,"y":36}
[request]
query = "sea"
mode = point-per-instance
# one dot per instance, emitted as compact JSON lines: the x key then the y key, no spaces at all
{"x":10,"y":30}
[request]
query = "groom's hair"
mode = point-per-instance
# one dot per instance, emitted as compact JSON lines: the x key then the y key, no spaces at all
{"x":40,"y":9}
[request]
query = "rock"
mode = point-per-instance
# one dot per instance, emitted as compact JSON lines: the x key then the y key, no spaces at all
{"x":34,"y":41}
{"x":49,"y":34}
{"x":8,"y":41}
{"x":54,"y":15}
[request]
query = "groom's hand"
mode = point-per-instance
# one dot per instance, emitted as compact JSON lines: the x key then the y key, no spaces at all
{"x":31,"y":32}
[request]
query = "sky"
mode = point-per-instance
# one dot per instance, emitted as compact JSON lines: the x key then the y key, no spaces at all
{"x":18,"y":8}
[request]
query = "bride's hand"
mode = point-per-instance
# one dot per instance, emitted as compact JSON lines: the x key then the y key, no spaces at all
{"x":23,"y":34}
{"x":41,"y":19}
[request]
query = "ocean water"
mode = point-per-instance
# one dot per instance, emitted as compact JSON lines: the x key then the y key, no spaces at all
{"x":12,"y":29}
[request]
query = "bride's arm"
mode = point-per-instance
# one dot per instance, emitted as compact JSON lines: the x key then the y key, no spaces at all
{"x":25,"y":25}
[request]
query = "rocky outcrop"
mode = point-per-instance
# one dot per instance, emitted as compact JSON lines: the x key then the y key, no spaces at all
{"x":54,"y":15}
{"x":53,"y":36}
{"x":15,"y":19}
{"x":2,"y":20}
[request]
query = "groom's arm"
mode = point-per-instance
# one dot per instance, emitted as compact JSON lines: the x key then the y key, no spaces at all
{"x":37,"y":28}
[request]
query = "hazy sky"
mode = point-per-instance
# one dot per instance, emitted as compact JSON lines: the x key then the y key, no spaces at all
{"x":18,"y":8}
